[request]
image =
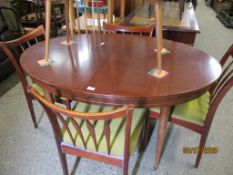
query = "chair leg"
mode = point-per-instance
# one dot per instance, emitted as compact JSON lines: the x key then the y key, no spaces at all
{"x":194,"y":2}
{"x":126,"y":165}
{"x":63,"y":161}
{"x":181,"y":6}
{"x":146,"y":133}
{"x":149,"y":127}
{"x":31,"y":109}
{"x":67,"y":103}
{"x":201,"y":148}
{"x":140,"y":143}
{"x":181,"y":12}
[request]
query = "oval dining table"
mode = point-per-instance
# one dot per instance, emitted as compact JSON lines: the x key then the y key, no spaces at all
{"x":113,"y":69}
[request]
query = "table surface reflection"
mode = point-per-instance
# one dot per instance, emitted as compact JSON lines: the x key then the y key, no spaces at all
{"x":117,"y":72}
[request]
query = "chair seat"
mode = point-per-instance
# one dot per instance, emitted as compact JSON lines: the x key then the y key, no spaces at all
{"x":117,"y":130}
{"x":38,"y":89}
{"x":193,"y":111}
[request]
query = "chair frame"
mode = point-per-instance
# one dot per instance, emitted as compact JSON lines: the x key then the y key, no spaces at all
{"x":129,"y":29}
{"x":7,"y":47}
{"x":55,"y":113}
{"x":217,"y":91}
{"x":11,"y":49}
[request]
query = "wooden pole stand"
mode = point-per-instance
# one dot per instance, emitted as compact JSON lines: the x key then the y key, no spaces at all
{"x":158,"y":72}
{"x":46,"y":60}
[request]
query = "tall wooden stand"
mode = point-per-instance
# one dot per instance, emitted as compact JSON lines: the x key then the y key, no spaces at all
{"x":46,"y":60}
{"x":69,"y":17}
{"x":158,"y":72}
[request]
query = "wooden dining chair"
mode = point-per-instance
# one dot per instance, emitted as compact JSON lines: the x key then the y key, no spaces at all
{"x":13,"y":50}
{"x":101,"y":133}
{"x":198,"y":114}
{"x":140,"y":30}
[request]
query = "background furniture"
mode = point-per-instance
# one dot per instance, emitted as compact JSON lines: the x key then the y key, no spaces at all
{"x":90,"y":18}
{"x":32,"y":14}
{"x":117,"y":73}
{"x":225,"y":15}
{"x":6,"y":67}
{"x":181,"y":31}
{"x":10,"y":28}
{"x":29,"y":11}
{"x":181,"y":7}
{"x":10,"y":17}
{"x":198,"y":114}
{"x":102,"y":133}
{"x":218,"y":5}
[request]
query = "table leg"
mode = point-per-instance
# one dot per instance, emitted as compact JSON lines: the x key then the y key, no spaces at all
{"x":165,"y":112}
{"x":48,"y":96}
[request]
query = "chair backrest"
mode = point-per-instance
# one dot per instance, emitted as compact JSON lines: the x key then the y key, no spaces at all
{"x":11,"y":17}
{"x":72,"y":121}
{"x":223,"y":84}
{"x":14,"y":48}
{"x":141,"y":30}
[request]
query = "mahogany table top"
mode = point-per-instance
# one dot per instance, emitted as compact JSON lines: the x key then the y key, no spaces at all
{"x":117,"y":72}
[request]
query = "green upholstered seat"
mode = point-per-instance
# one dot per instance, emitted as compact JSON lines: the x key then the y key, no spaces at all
{"x":117,"y":130}
{"x":38,"y":89}
{"x":193,"y":111}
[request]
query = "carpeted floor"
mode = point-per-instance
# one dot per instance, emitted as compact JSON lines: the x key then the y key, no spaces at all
{"x":25,"y":150}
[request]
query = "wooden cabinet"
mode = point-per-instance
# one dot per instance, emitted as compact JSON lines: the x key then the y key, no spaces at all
{"x":181,"y":31}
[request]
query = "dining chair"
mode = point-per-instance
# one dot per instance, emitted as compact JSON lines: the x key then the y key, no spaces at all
{"x":198,"y":114}
{"x":13,"y":49}
{"x":141,"y":30}
{"x":102,"y":133}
